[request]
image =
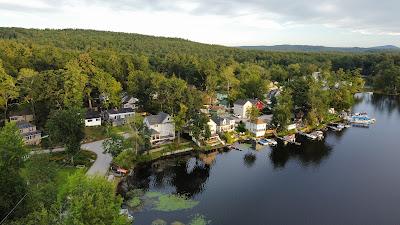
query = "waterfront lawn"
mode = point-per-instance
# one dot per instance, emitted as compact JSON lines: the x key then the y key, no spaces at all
{"x":128,"y":159}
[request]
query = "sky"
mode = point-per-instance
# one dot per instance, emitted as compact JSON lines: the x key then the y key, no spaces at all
{"x":337,"y":23}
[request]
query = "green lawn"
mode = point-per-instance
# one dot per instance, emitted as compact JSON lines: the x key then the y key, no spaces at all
{"x":84,"y":157}
{"x":101,"y":132}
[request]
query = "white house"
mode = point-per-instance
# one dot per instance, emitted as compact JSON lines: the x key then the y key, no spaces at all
{"x":257,"y":127}
{"x":240,"y":107}
{"x":213,"y":127}
{"x":161,"y":126}
{"x":92,"y":119}
{"x":224,"y":124}
{"x":129,"y":102}
{"x":118,"y":116}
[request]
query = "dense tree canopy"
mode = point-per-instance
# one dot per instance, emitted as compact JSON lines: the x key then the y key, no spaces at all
{"x":12,"y":185}
{"x":58,"y":69}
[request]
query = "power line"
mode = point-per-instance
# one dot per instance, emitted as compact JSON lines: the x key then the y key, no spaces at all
{"x":12,"y":210}
{"x":19,"y":202}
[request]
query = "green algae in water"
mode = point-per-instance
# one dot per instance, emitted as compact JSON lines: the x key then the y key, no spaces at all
{"x":168,"y":203}
{"x":199,"y":220}
{"x":177,"y":223}
{"x":153,"y":194}
{"x":159,"y":222}
{"x":134,"y":202}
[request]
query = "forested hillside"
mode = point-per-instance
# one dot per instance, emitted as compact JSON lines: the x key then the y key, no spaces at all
{"x":53,"y":69}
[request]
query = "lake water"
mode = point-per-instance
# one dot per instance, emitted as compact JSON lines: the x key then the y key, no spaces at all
{"x":352,"y":177}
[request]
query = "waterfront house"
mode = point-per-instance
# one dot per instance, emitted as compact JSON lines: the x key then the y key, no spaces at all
{"x":28,"y":131}
{"x":118,"y":116}
{"x":241,"y":106}
{"x":257,"y":127}
{"x":161,"y":126}
{"x":213,"y":126}
{"x":92,"y":119}
{"x":224,"y":124}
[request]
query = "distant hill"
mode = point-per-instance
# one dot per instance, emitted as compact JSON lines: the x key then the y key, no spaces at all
{"x":312,"y":48}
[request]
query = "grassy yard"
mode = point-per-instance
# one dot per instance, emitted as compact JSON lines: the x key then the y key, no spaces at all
{"x":101,"y":132}
{"x":84,"y":158}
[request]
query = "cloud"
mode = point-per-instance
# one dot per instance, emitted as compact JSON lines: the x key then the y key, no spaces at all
{"x":377,"y":17}
{"x":368,"y":16}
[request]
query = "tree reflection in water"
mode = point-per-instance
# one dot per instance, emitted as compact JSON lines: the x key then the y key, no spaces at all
{"x":385,"y":104}
{"x":308,"y":154}
{"x":249,"y":159}
{"x":170,"y":172}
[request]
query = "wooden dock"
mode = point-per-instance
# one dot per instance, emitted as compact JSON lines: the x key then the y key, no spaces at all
{"x":288,"y":141}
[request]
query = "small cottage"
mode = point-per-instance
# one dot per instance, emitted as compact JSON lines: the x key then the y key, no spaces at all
{"x":29,"y":133}
{"x":92,"y":119}
{"x":23,"y":115}
{"x":118,"y":116}
{"x":129,"y":102}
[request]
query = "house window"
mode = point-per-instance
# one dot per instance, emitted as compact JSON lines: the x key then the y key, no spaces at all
{"x":97,"y":119}
{"x":89,"y":121}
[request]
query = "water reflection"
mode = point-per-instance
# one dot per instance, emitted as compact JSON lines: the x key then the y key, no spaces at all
{"x":308,"y":154}
{"x":190,"y":183}
{"x":384,"y":103}
{"x":249,"y":159}
{"x":187,"y":175}
{"x":263,"y":185}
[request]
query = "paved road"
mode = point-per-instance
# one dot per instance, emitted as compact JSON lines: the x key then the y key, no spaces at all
{"x":103,"y":160}
{"x":102,"y":163}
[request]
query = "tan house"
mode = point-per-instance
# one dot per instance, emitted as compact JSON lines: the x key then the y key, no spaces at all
{"x":24,"y":115}
{"x":29,"y":133}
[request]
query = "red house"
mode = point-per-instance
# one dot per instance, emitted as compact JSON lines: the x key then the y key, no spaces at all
{"x":257,"y":103}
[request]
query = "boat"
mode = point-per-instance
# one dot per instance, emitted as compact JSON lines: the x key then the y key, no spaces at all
{"x":269,"y":142}
{"x":335,"y":128}
{"x":318,"y":135}
{"x":361,"y":119}
{"x":272,"y":142}
{"x":263,"y":142}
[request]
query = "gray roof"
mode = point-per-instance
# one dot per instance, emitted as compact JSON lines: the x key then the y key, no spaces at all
{"x":119,"y":111}
{"x":157,"y":119}
{"x":25,"y":111}
{"x":92,"y":114}
{"x":243,"y":101}
{"x":24,"y":124}
{"x":31,"y":133}
{"x":127,"y":98}
{"x":218,"y":119}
